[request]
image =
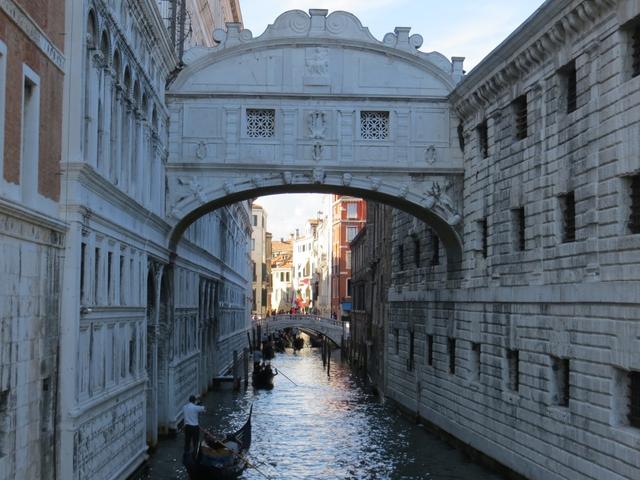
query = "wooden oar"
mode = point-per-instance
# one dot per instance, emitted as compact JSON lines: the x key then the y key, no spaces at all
{"x":285,"y":376}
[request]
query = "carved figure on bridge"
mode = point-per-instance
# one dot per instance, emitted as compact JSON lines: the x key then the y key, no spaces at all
{"x":317,"y":125}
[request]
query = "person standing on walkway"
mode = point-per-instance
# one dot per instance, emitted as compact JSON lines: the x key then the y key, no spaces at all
{"x":191,"y":425}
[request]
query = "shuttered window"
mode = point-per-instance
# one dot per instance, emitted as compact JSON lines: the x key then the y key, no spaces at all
{"x":483,"y":139}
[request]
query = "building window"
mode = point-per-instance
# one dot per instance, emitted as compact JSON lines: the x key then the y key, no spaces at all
{"x":634,"y":399}
{"x":261,"y":122}
{"x":374,"y":125}
{"x":3,"y":86}
{"x":397,"y":340}
{"x":484,"y":237}
{"x":109,"y":278}
{"x":429,"y":349}
{"x":568,"y":212}
{"x":416,"y":252}
{"x":518,"y":226}
{"x":560,"y":381}
{"x":97,"y":280}
{"x":460,"y":131}
{"x":4,"y":421}
{"x":123,"y":282}
{"x":401,"y":256}
{"x":635,"y":49}
{"x":513,"y":361}
{"x":255,"y":220}
{"x":634,"y":206}
{"x":483,"y":139}
{"x":451,"y":348}
{"x":30,"y":134}
{"x":520,"y":116}
{"x":348,"y":287}
{"x":351,"y":233}
{"x":288,"y":277}
{"x":83,"y":259}
{"x":352,"y":210}
{"x":435,"y":246}
{"x":569,"y":78}
{"x":411,"y":350}
{"x":475,"y":361}
{"x":348,"y":258}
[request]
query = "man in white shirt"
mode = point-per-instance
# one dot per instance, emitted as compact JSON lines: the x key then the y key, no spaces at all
{"x":191,"y":427}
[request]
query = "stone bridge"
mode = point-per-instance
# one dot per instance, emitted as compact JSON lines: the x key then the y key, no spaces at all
{"x":334,"y":330}
{"x":316,"y":104}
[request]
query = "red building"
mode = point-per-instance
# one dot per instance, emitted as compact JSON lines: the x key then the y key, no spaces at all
{"x":349,"y":216}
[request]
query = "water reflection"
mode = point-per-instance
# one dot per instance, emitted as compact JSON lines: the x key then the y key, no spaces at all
{"x":323,"y":428}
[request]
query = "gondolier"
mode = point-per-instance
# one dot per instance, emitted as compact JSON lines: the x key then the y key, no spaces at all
{"x":191,"y":425}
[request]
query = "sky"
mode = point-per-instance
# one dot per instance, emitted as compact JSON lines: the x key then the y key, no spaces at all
{"x":462,"y":28}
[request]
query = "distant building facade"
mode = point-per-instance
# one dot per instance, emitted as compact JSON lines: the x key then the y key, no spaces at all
{"x":348,"y":217}
{"x":322,"y":247}
{"x":32,"y":235}
{"x":261,"y":258}
{"x":282,"y":293}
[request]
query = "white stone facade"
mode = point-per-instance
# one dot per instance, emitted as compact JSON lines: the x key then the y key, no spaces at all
{"x":260,"y":246}
{"x":533,"y":358}
{"x":142,"y":327}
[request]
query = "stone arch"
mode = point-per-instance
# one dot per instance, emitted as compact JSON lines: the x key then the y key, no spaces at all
{"x":137,"y":100}
{"x":92,"y":30}
{"x":433,"y":211}
{"x":105,"y":46}
{"x":126,"y":81}
{"x":117,"y":64}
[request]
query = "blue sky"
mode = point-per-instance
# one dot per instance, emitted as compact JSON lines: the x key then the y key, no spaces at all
{"x":463,"y":28}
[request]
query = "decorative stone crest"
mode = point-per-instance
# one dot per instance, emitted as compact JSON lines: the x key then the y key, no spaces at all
{"x":316,"y":153}
{"x":375,"y":183}
{"x":318,"y":175}
{"x":431,"y":155}
{"x":317,"y":125}
{"x":227,"y":187}
{"x":201,"y":151}
{"x":316,"y":66}
{"x":346,"y":179}
{"x":257,"y":181}
{"x":287,"y":177}
{"x":194,"y":188}
{"x":404,"y":191}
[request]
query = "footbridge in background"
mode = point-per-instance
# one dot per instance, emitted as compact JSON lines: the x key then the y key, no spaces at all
{"x":334,"y":330}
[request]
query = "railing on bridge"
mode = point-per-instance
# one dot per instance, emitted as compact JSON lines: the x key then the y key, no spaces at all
{"x":336,"y":330}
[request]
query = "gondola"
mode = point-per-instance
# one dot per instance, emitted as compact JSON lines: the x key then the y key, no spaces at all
{"x":298,"y":343}
{"x":262,"y":377}
{"x":220,"y":459}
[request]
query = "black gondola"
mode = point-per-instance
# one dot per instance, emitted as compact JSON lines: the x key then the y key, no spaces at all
{"x":262,"y":377}
{"x":298,"y":343}
{"x":220,"y":458}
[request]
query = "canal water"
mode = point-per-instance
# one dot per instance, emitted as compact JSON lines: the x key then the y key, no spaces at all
{"x":323,"y":427}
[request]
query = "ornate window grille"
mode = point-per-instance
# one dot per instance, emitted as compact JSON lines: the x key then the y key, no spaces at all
{"x":520,"y":116}
{"x":634,"y":208}
{"x":261,"y":122}
{"x":374,"y":125}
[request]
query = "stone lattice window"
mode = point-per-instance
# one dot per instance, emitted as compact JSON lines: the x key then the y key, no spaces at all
{"x":475,"y":360}
{"x":634,"y":207}
{"x":374,"y":125}
{"x":429,"y":349}
{"x":520,"y":117}
{"x":397,"y":340}
{"x":261,"y":122}
{"x":483,"y":139}
{"x":484,"y":237}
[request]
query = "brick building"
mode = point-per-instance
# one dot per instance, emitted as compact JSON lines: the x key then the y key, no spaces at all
{"x":32,"y":64}
{"x":348,"y":217}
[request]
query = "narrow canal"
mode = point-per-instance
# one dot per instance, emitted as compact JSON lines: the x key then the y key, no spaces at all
{"x":322,"y":428}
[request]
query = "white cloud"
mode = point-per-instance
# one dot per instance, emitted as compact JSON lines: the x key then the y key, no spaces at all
{"x":287,"y":212}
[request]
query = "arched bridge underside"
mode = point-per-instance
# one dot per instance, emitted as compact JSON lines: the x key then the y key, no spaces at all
{"x":316,"y":104}
{"x":334,"y":330}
